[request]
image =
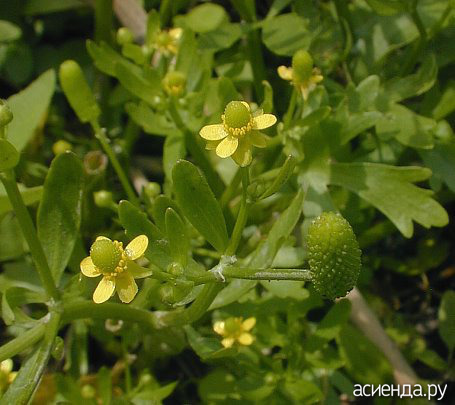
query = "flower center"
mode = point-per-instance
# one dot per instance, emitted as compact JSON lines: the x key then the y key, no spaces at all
{"x":108,"y":256}
{"x":302,"y":65}
{"x":237,"y":119}
{"x":233,"y":326}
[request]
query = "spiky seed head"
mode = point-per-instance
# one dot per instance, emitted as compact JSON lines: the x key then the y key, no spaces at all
{"x":333,"y":255}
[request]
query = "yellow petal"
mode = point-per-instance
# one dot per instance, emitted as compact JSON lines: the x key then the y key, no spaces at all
{"x":175,"y":33}
{"x":126,"y":287}
{"x":257,"y":139}
{"x":243,"y":155}
{"x":211,"y":145}
{"x":6,"y":366}
{"x":88,"y":268}
{"x":227,"y":342}
{"x":246,"y":105}
{"x":248,"y":324}
{"x":137,"y":271}
{"x":102,"y":238}
{"x":305,"y":91}
{"x":245,"y":339}
{"x":104,"y":291}
{"x":227,"y":147}
{"x":214,"y":132}
{"x":264,"y":121}
{"x":316,"y":78}
{"x":218,"y":327}
{"x":137,"y":247}
{"x":285,"y":72}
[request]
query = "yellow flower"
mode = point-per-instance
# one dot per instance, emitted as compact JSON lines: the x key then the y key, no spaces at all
{"x":235,"y":330}
{"x":7,"y":375}
{"x":302,"y":74}
{"x":238,"y":133}
{"x":174,"y":83}
{"x":167,"y":41}
{"x":109,"y":259}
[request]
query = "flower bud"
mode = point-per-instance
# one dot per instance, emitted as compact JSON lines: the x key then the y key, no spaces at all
{"x":103,"y":199}
{"x":171,"y":293}
{"x":6,"y":115}
{"x":174,"y":83}
{"x":61,"y":146}
{"x":333,"y":255}
{"x":302,"y":65}
{"x":124,"y":36}
{"x":152,"y":190}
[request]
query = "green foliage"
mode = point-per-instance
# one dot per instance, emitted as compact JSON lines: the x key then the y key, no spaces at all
{"x":230,"y":273}
{"x":59,"y":213}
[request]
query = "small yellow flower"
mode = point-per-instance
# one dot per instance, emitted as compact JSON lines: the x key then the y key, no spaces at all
{"x":238,"y":133}
{"x":7,"y":375}
{"x":235,"y":330}
{"x":302,"y":74}
{"x":109,"y":259}
{"x":167,"y":41}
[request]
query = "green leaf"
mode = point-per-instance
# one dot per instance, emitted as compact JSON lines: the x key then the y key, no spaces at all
{"x":173,"y":150}
{"x":150,"y":121}
{"x":407,"y":127}
{"x":360,"y":354}
{"x":221,"y":38}
{"x":29,"y":107}
{"x":179,"y":243}
{"x":199,"y":205}
{"x":131,"y":77}
{"x":78,"y":92}
{"x":263,"y":256}
{"x":446,"y":104}
{"x":9,"y":156}
{"x":9,"y":31}
{"x":59,"y":213}
{"x":286,"y":34}
{"x":401,"y":88}
{"x":105,"y":58}
{"x":29,"y":195}
{"x":159,"y":207}
{"x":104,"y":384}
{"x":282,"y":177}
{"x":34,"y":7}
{"x":387,"y":7}
{"x":136,"y":223}
{"x":330,"y":326}
{"x":391,"y":191}
{"x":441,"y":161}
{"x":205,"y":17}
{"x":207,"y":348}
{"x":446,"y":316}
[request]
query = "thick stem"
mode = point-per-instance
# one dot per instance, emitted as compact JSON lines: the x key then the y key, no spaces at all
{"x":104,"y":141}
{"x":248,"y":273}
{"x":291,"y":109}
{"x":22,"y":342}
{"x":28,"y":229}
{"x":103,"y":20}
{"x":242,"y":216}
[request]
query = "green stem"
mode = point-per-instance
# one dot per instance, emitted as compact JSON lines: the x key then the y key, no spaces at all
{"x":104,"y":141}
{"x":291,"y":109}
{"x":22,"y":342}
{"x":230,"y":190}
{"x":28,"y":229}
{"x":103,"y":20}
{"x":199,"y":155}
{"x":195,"y":311}
{"x":29,"y":376}
{"x":242,"y":216}
{"x":247,"y":273}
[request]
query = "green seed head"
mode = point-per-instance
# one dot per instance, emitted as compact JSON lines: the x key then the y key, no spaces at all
{"x":302,"y":65}
{"x":232,"y":325}
{"x":105,"y":255}
{"x":236,"y":115}
{"x":333,"y":255}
